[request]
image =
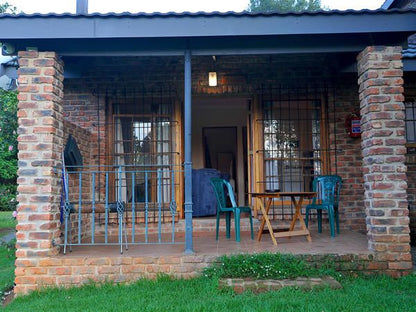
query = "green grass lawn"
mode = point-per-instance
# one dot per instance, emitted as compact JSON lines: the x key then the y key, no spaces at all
{"x":7,"y":258}
{"x":6,"y":221}
{"x":201,"y":294}
{"x":7,"y":252}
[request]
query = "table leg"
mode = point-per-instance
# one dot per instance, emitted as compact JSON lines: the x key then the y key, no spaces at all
{"x":265,"y":220}
{"x":298,"y":216}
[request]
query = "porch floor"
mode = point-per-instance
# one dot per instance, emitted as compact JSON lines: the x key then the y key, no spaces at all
{"x":205,"y":244}
{"x":105,"y":263}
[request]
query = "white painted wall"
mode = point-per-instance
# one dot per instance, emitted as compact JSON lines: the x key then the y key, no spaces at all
{"x":219,"y":112}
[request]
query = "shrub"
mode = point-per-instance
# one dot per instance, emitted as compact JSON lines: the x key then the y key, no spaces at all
{"x":8,"y":149}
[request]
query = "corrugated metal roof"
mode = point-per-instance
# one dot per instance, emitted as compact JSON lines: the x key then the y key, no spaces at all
{"x":202,"y":24}
{"x":225,"y":32}
{"x":205,"y":14}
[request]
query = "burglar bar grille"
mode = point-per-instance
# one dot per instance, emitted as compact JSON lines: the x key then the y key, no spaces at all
{"x":144,"y":132}
{"x":91,"y":218}
{"x":295,"y":141}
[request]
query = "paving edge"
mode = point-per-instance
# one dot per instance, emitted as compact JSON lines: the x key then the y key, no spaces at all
{"x":240,"y":285}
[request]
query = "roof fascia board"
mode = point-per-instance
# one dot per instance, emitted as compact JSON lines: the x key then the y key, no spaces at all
{"x":90,"y":27}
{"x":213,"y":46}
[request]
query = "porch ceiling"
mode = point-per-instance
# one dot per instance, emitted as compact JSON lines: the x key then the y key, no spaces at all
{"x":143,"y":68}
{"x":207,"y":33}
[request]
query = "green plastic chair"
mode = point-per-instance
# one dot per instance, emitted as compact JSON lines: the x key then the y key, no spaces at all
{"x":328,"y":189}
{"x":220,"y":187}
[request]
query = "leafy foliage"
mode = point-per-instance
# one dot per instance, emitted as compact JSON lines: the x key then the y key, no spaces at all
{"x":8,"y":149}
{"x":284,"y":5}
{"x":7,"y":8}
{"x":7,"y":222}
{"x":266,"y":266}
{"x":7,"y":259}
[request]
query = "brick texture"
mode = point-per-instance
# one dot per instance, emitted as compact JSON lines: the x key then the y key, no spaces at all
{"x":40,"y":145}
{"x":345,"y":153}
{"x":68,"y":271}
{"x":383,"y":148}
{"x":86,"y":143}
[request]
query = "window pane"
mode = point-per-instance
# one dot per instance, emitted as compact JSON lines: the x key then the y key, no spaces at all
{"x":292,"y":143}
{"x":410,"y":122}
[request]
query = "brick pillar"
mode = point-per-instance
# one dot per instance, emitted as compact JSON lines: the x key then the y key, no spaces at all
{"x":380,"y":71}
{"x":40,"y":144}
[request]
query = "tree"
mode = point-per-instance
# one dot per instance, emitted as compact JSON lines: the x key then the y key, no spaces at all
{"x":8,"y":149}
{"x":8,"y":138}
{"x":7,"y":8}
{"x":284,"y":5}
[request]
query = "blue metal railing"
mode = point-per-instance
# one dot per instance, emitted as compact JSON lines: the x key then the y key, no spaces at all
{"x":119,"y":205}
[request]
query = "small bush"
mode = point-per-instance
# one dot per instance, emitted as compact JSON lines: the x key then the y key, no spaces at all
{"x":7,"y":259}
{"x":266,"y":266}
{"x":8,"y":149}
{"x":8,"y":197}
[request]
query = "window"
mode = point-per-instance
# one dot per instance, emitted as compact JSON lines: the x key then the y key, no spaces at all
{"x":292,"y":144}
{"x":144,"y":146}
{"x":410,"y":122}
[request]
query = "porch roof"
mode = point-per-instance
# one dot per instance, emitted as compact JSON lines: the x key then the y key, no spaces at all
{"x":207,"y":33}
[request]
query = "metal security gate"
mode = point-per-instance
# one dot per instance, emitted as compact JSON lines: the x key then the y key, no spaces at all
{"x":293,"y":141}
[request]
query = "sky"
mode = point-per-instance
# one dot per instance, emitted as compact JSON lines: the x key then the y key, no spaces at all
{"x":134,"y":6}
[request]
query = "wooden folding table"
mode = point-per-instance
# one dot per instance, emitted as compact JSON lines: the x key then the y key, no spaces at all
{"x":297,"y":200}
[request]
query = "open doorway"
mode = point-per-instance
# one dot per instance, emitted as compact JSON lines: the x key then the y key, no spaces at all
{"x":220,"y":150}
{"x":219,"y":128}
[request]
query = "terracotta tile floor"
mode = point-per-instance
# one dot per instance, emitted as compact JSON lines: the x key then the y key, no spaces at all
{"x":205,"y":244}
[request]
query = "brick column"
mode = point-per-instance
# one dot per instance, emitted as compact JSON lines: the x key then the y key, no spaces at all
{"x":40,"y":144}
{"x":380,"y":71}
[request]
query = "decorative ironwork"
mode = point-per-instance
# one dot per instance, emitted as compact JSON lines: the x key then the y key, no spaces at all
{"x":84,"y":208}
{"x":295,"y":146}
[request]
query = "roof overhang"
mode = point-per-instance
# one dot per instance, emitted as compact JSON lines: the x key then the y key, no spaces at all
{"x":207,"y":33}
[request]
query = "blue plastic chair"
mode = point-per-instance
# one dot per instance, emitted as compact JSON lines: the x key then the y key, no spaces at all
{"x":220,"y":185}
{"x":328,"y":189}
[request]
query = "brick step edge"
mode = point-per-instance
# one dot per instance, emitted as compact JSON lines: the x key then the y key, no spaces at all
{"x":240,"y":285}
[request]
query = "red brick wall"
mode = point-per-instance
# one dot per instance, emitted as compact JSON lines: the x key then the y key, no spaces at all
{"x":87,"y":112}
{"x":383,"y":146}
{"x":85,"y":141}
{"x":346,"y":153}
{"x":74,"y":271}
{"x":40,"y":145}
